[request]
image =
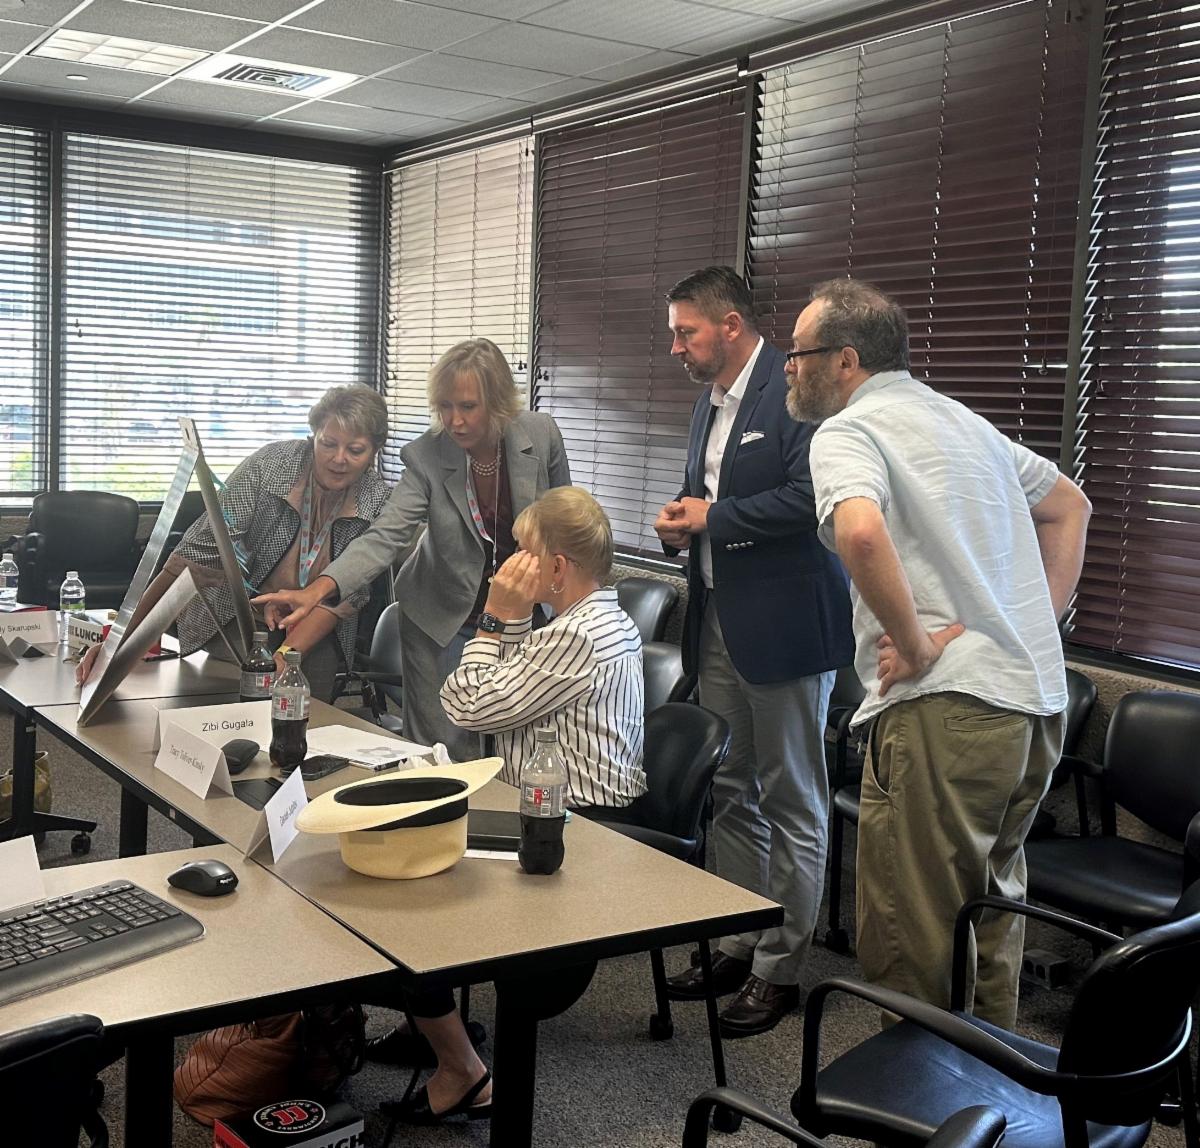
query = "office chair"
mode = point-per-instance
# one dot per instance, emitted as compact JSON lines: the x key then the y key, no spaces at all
{"x":1148,"y":769}
{"x":1081,"y":698}
{"x":977,"y":1127}
{"x":377,"y":676}
{"x":59,"y":1059}
{"x":1125,"y":1042}
{"x":86,"y":530}
{"x":649,"y":602}
{"x":663,"y":675}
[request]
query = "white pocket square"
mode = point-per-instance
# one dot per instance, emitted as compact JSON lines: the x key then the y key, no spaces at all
{"x":751,"y":436}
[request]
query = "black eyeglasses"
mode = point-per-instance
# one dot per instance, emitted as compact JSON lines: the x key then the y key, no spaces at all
{"x":790,"y":355}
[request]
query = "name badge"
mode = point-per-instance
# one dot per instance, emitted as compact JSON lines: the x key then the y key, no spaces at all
{"x":196,"y":764}
{"x":37,"y":627}
{"x":278,"y":820}
{"x":219,"y":724}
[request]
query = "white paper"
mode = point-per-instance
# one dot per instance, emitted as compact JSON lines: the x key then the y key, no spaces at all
{"x":282,"y":810}
{"x":219,"y":724}
{"x":37,"y":627}
{"x":196,"y":764}
{"x":20,"y":874}
{"x":362,"y":747}
{"x":491,"y":854}
{"x":7,"y":657}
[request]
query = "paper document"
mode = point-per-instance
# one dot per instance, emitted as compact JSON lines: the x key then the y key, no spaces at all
{"x":375,"y":751}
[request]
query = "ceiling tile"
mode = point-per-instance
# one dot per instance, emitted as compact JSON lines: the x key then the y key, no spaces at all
{"x":558,"y":90}
{"x":457,"y":74}
{"x":504,"y":9}
{"x":490,"y":109}
{"x":310,"y":131}
{"x":43,"y":12}
{"x":317,"y":50}
{"x":193,"y":115}
{"x":264,"y":10}
{"x":162,"y":25}
{"x":55,"y":95}
{"x":17,"y":37}
{"x":419,"y":99}
{"x":330,"y":114}
{"x":639,"y":66}
{"x":804,"y":13}
{"x":102,"y":81}
{"x":528,"y":47}
{"x":394,"y":22}
{"x":662,"y":24}
{"x":222,"y":98}
{"x":750,"y":31}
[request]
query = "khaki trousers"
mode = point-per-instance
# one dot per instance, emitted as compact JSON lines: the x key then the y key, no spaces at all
{"x":949,"y":791}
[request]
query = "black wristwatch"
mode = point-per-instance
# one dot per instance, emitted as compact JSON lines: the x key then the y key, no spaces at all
{"x":490,"y":624}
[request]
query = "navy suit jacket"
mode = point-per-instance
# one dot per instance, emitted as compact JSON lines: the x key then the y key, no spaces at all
{"x":782,"y":599}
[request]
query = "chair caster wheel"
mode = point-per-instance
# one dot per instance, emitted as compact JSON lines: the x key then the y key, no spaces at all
{"x":1170,"y":1112}
{"x":725,"y":1119}
{"x":661,"y":1029}
{"x":81,"y":843}
{"x":39,"y":839}
{"x":837,"y":941}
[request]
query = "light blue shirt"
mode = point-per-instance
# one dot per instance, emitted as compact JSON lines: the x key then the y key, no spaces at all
{"x":956,"y":495}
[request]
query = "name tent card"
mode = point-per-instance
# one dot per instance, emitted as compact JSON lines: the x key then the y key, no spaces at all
{"x":20,"y":873}
{"x":7,"y":657}
{"x":219,"y":724}
{"x":37,"y":627}
{"x":278,"y":821}
{"x":196,"y":764}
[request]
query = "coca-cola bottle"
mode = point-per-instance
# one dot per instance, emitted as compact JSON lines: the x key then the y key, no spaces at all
{"x":258,"y":671}
{"x":289,"y":715}
{"x":543,"y":796}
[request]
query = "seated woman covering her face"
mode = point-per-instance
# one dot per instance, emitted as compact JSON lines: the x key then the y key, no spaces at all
{"x":482,"y":462}
{"x":292,"y":507}
{"x":580,"y":674}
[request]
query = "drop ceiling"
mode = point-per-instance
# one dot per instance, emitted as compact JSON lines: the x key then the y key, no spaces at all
{"x":421,"y":70}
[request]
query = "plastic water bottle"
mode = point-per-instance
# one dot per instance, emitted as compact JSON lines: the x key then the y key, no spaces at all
{"x":71,"y":600}
{"x":258,"y":671}
{"x":543,"y":798}
{"x":8,"y":580}
{"x":289,"y":715}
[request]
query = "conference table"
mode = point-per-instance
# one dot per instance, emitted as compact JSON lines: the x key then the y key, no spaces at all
{"x":537,"y":938}
{"x":50,"y":680}
{"x":266,"y":950}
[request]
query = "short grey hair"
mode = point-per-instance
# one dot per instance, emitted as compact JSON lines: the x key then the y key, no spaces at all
{"x":357,"y":409}
{"x":859,"y":315}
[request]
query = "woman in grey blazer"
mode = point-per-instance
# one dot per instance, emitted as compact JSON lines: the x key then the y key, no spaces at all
{"x":465,"y":480}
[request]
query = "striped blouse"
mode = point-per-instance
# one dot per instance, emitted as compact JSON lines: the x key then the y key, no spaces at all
{"x":581,"y":674}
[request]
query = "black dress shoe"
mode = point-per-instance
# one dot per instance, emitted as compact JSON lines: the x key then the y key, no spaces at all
{"x":759,"y":1007}
{"x":416,"y":1110}
{"x":728,"y":975}
{"x":411,"y":1048}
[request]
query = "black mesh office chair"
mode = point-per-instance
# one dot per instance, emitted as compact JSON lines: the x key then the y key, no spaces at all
{"x":377,"y":675}
{"x":1149,"y":770}
{"x":664,"y":677}
{"x":1125,"y":1043}
{"x":86,"y":530}
{"x":57,"y":1059}
{"x":649,"y":602}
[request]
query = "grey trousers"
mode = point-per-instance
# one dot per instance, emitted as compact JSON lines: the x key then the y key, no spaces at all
{"x":425,"y":666}
{"x":770,"y":801}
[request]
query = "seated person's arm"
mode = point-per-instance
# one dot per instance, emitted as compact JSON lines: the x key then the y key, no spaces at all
{"x":308,"y":633}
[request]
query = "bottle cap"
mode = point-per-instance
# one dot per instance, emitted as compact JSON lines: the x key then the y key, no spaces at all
{"x":546,"y":733}
{"x":72,"y":573}
{"x":260,"y":637}
{"x":7,"y":556}
{"x":292,"y":657}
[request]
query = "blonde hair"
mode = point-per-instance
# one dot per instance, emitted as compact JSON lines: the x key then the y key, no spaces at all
{"x":485,"y":362}
{"x":568,"y":521}
{"x":357,"y":409}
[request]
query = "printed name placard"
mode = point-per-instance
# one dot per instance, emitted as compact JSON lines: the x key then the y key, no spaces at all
{"x":7,"y":657}
{"x":195,"y":763}
{"x":37,"y":627}
{"x":219,"y":724}
{"x":278,"y":821}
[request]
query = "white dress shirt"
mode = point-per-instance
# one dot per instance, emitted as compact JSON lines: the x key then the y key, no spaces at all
{"x":727,"y":403}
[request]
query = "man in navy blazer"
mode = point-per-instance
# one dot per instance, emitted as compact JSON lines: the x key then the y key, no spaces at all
{"x":768,"y":623}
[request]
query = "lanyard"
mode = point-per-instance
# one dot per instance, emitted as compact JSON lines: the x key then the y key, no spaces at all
{"x":310,"y":547}
{"x":477,"y":514}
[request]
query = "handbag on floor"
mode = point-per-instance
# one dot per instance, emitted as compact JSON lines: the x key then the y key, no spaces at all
{"x":41,"y":787}
{"x":241,"y":1067}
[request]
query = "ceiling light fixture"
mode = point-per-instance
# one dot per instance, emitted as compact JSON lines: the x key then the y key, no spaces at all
{"x":76,"y":76}
{"x":78,"y":47}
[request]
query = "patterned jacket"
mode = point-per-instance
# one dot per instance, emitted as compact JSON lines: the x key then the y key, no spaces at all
{"x":254,"y":500}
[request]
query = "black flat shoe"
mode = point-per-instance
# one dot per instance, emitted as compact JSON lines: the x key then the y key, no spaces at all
{"x":416,"y":1109}
{"x":411,"y":1048}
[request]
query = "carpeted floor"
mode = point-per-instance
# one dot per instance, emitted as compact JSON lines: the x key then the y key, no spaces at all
{"x":601,"y":1080}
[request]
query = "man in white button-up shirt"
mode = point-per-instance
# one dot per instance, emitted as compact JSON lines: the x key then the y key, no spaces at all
{"x":768,"y":622}
{"x":964,"y":549}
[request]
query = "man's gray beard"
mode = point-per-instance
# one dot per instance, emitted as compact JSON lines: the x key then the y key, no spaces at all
{"x":801,"y":414}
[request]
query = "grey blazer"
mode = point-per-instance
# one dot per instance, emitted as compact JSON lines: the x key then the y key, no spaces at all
{"x":438,"y":582}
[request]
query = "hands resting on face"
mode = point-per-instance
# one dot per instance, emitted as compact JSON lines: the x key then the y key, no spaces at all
{"x":515,"y":587}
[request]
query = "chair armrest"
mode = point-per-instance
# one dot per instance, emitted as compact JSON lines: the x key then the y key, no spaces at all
{"x":378,"y":678}
{"x":679,"y":847}
{"x":695,"y":1129}
{"x":962,"y":925}
{"x":1191,"y":852}
{"x":976,"y":1127}
{"x":1071,"y":763}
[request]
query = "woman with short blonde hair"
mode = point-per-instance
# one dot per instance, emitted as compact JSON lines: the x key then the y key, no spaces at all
{"x":485,"y":362}
{"x":570,"y":522}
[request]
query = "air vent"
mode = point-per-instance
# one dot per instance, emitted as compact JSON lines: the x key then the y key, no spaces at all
{"x":264,"y":76}
{"x":246,"y":72}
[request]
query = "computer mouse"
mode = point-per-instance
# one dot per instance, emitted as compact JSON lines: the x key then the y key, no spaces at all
{"x":208,"y":878}
{"x":239,"y":753}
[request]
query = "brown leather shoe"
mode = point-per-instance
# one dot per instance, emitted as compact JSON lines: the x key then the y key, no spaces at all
{"x":728,"y":975}
{"x":759,"y":1007}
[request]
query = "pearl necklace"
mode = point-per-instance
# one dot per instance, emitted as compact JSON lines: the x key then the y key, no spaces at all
{"x":486,"y":469}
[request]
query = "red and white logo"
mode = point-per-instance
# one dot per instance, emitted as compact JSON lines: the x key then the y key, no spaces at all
{"x":290,"y":1116}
